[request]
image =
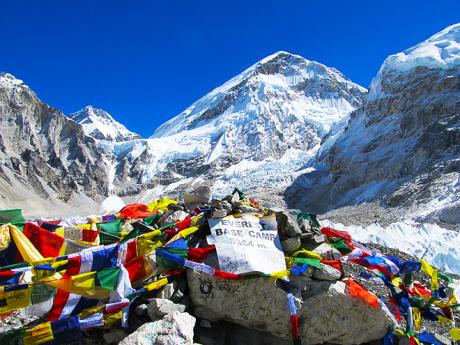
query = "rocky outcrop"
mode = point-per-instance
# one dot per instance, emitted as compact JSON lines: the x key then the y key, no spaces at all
{"x":44,"y":156}
{"x":259,"y":304}
{"x":403,"y":145}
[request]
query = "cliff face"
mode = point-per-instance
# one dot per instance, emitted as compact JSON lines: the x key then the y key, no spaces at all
{"x":45,"y":157}
{"x":402,"y":146}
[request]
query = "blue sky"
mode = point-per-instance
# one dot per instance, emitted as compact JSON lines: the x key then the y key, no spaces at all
{"x":146,"y":61}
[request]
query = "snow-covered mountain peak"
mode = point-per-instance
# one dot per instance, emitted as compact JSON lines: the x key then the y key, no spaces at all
{"x":440,"y":51}
{"x":9,"y":81}
{"x":101,"y":125}
{"x":272,"y":89}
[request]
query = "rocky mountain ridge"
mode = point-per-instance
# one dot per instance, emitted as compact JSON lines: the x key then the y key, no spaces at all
{"x":256,"y":131}
{"x":403,"y":145}
{"x":285,"y":123}
{"x":46,"y":158}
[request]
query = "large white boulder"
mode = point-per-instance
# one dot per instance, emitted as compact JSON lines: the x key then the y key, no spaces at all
{"x":173,"y":329}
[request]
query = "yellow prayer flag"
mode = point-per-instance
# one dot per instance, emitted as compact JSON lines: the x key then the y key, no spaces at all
{"x":280,"y":274}
{"x":160,"y":204}
{"x":14,"y":300}
{"x":38,"y":334}
{"x":90,"y":311}
{"x":303,"y":253}
{"x":196,"y":219}
{"x":432,"y":272}
{"x":187,"y":232}
{"x":156,"y":285}
{"x":85,"y":281}
{"x":145,"y":244}
{"x":455,"y":333}
{"x":110,"y":320}
{"x":5,"y":238}
{"x":417,"y":317}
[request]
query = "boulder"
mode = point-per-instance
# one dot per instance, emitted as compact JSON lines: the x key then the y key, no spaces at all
{"x":218,"y":213}
{"x":327,"y":273}
{"x":327,"y":252}
{"x":291,"y":244}
{"x":326,"y":312}
{"x":159,"y":307}
{"x":198,"y":196}
{"x":175,"y":217}
{"x":173,"y":329}
{"x":287,"y":225}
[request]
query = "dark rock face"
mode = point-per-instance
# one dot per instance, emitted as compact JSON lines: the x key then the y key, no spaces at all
{"x":43,"y":151}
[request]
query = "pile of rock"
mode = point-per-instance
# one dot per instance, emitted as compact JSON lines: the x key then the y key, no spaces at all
{"x":257,"y":308}
{"x":199,"y":308}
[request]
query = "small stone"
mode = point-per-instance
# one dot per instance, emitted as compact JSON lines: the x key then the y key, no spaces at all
{"x":327,"y":273}
{"x":216,"y":203}
{"x":175,"y":207}
{"x":219,"y":213}
{"x":306,"y":236}
{"x":327,"y":252}
{"x":158,"y":307}
{"x":168,"y":291}
{"x":291,"y":244}
{"x":304,"y":225}
{"x":227,"y":206}
{"x":247,"y":209}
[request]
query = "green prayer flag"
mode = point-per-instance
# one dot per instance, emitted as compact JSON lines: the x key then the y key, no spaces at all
{"x":110,"y":231}
{"x":13,"y":266}
{"x":150,"y":220}
{"x":312,"y":262}
{"x":240,"y":193}
{"x":12,"y":216}
{"x":444,"y":277}
{"x":340,"y":245}
{"x":108,"y":278}
{"x":311,"y":218}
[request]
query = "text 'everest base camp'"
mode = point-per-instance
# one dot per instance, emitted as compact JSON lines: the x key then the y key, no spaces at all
{"x":206,"y":232}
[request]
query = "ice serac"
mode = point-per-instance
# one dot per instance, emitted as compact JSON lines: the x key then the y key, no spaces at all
{"x":402,"y":146}
{"x":47,"y":161}
{"x":258,"y":130}
{"x":101,"y":125}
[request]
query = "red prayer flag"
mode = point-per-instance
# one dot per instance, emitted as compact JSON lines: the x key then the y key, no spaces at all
{"x":226,"y":275}
{"x":356,"y":290}
{"x":46,"y":242}
{"x":198,"y":254}
{"x":136,"y":269}
{"x":184,"y":224}
{"x":329,"y":232}
{"x":337,"y":264}
{"x":135,"y":211}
